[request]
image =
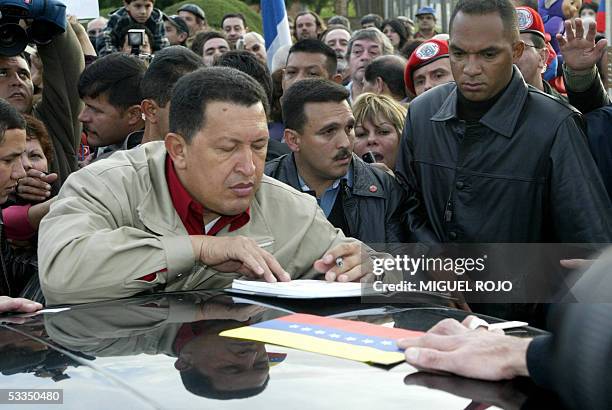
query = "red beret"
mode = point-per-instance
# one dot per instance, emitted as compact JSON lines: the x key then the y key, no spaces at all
{"x":426,"y":53}
{"x":530,"y":21}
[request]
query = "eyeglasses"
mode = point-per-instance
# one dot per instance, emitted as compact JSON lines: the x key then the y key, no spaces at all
{"x":531,"y":45}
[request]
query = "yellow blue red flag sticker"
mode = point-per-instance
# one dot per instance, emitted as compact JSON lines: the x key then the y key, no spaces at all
{"x":363,"y":342}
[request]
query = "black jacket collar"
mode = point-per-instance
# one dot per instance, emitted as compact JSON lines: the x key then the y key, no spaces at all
{"x":364,"y":178}
{"x":503,"y":116}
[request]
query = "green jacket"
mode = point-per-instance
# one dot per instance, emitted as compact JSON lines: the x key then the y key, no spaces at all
{"x":61,"y":105}
{"x":114,"y":222}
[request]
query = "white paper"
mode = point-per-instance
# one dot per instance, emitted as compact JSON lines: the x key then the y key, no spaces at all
{"x":55,"y":310}
{"x":298,"y":289}
{"x":507,"y":325}
{"x":83,"y":9}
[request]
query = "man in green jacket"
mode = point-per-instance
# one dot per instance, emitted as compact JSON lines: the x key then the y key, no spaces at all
{"x":192,"y":212}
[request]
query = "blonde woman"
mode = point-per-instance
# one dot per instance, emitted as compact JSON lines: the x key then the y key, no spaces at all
{"x":379,"y":121}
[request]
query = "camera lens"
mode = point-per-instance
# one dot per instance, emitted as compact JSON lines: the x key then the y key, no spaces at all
{"x":13,"y":39}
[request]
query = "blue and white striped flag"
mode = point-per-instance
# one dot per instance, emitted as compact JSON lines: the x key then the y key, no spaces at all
{"x":276,"y":26}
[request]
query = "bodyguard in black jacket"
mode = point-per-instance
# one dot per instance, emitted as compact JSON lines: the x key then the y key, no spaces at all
{"x":522,"y":173}
{"x":371,"y":205}
{"x":490,"y":160}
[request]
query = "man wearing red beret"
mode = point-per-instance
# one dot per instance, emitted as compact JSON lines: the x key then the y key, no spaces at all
{"x":428,"y":66}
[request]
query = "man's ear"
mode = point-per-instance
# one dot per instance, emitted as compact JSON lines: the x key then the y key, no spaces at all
{"x":150,"y":109}
{"x":380,"y":85}
{"x":544,"y":57}
{"x":337,"y":78}
{"x":517,"y":50}
{"x":134,"y":114}
{"x":292,"y":139}
{"x":177,"y":147}
{"x":182,"y":37}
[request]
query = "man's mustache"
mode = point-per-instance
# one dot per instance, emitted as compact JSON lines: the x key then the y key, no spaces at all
{"x":343,"y":153}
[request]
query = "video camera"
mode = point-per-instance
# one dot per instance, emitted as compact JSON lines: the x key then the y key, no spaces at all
{"x":48,"y":20}
{"x":135,"y":38}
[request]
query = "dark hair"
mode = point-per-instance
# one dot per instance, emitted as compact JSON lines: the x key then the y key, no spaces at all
{"x":168,"y":65}
{"x":201,"y":38}
{"x":409,"y":47}
{"x":310,"y":90}
{"x":201,"y":385}
{"x":10,"y":119}
{"x":391,"y":69}
{"x":537,"y":41}
{"x":117,"y":76}
{"x":312,"y":46}
{"x":591,"y":6}
{"x":194,"y":91}
{"x":371,"y":18}
{"x":129,"y":1}
{"x":249,"y":64}
{"x":234,"y":15}
{"x":122,"y":33}
{"x":341,"y":21}
{"x":35,"y":129}
{"x":318,"y":20}
{"x":504,"y":8}
{"x":399,"y":28}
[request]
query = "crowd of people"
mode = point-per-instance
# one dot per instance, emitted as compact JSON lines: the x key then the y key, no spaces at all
{"x":189,"y":158}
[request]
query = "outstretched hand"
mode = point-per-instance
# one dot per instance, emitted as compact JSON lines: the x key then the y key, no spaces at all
{"x":580,"y":53}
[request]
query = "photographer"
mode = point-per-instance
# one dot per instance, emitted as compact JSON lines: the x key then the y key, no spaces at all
{"x":63,"y":62}
{"x":136,"y":42}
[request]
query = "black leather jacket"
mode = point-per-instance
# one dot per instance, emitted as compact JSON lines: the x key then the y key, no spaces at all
{"x":523,"y":174}
{"x":372,"y":217}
